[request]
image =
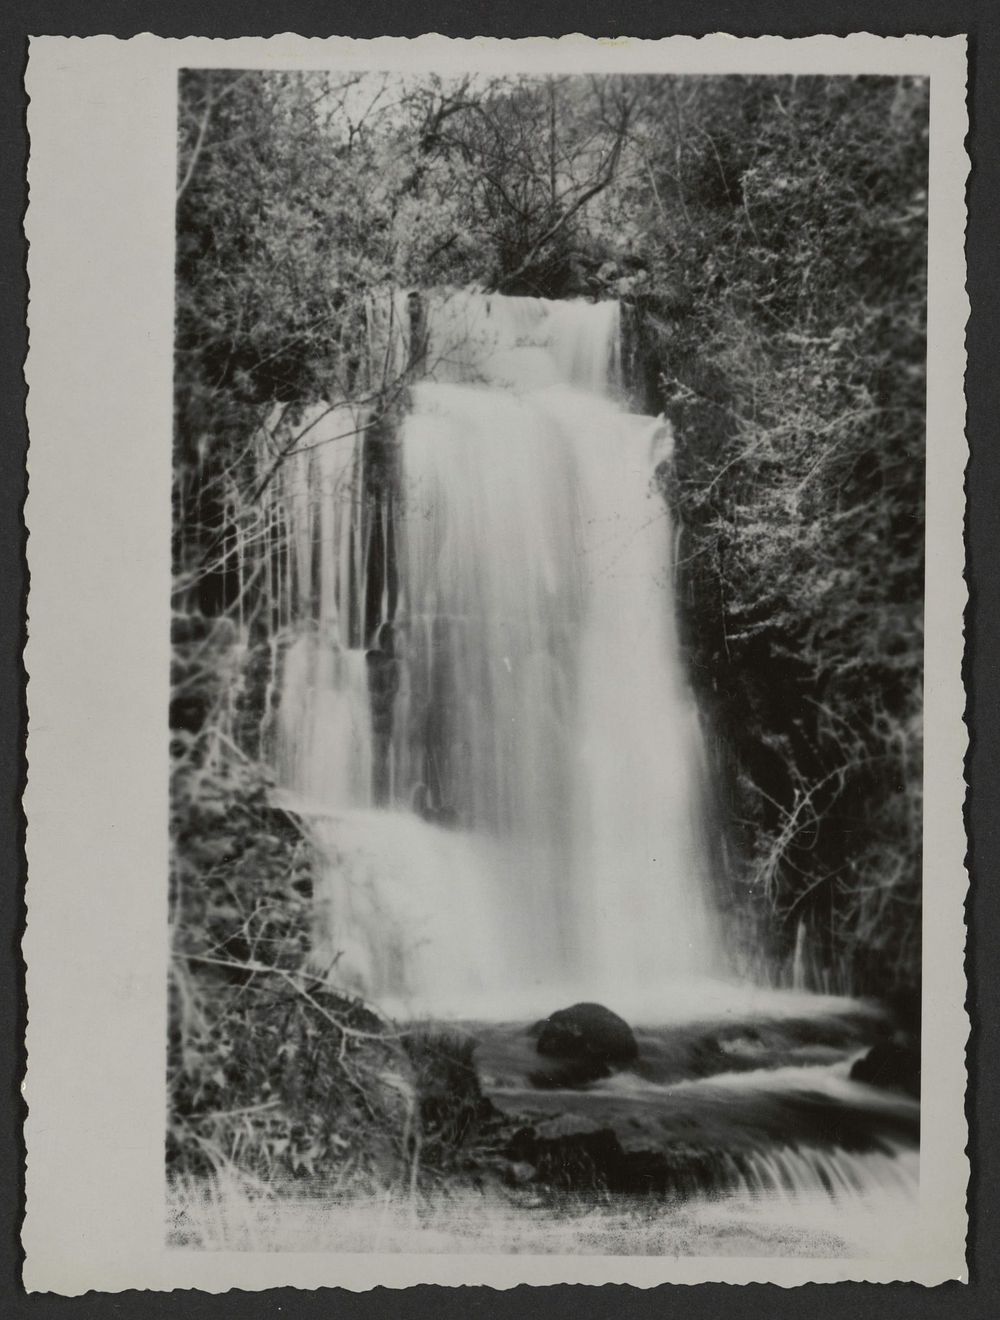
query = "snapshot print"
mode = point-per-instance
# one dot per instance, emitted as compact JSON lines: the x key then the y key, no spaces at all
{"x":547,"y":657}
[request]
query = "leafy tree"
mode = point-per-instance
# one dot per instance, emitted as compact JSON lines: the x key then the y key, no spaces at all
{"x":787,"y":233}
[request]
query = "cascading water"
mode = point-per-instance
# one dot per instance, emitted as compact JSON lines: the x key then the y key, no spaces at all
{"x":481,"y":711}
{"x":495,"y":738}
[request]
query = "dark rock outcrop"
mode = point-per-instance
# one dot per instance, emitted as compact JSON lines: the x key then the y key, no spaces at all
{"x":586,"y":1041}
{"x":892,"y":1064}
{"x":571,"y":1153}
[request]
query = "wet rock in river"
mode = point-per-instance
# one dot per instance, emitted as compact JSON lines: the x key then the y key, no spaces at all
{"x":587,"y":1032}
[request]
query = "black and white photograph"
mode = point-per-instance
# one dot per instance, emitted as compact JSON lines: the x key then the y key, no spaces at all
{"x":547,"y":639}
{"x":544,"y":742}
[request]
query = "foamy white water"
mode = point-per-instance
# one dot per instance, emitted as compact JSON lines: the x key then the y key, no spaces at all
{"x":512,"y":770}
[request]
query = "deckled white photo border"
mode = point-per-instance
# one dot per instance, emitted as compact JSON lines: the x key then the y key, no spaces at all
{"x":101,"y":120}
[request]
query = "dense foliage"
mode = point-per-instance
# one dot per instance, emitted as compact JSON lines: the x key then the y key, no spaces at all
{"x":271,"y":1072}
{"x":767,"y":237}
{"x":267,"y":1070}
{"x":790,"y":355}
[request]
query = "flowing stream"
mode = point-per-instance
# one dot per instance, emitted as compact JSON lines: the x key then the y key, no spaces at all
{"x":482,"y":711}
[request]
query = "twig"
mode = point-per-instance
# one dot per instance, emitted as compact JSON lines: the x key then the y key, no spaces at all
{"x":294,"y":979}
{"x":199,"y":142}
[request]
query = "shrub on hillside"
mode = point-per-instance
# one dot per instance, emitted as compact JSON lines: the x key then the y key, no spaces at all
{"x":795,"y":379}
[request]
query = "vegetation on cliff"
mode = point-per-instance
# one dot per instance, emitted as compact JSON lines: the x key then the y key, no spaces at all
{"x":767,"y":238}
{"x":786,"y":329}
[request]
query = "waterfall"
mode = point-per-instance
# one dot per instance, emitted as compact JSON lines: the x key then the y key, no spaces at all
{"x":482,"y":708}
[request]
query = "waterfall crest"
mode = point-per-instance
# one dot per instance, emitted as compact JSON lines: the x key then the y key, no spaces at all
{"x":482,"y":706}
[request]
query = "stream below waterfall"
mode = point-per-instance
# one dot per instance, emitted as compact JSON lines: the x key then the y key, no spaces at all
{"x":739,"y":1098}
{"x":483,"y":717}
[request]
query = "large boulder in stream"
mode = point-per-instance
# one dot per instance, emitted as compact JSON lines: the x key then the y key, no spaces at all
{"x":587,"y":1033}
